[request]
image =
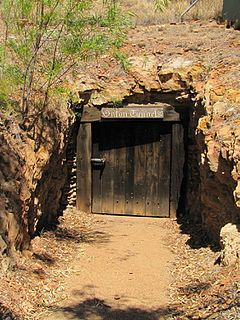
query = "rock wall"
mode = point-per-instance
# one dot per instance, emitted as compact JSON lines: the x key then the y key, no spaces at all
{"x":218,"y":139}
{"x":31,"y":175}
{"x":195,"y":68}
{"x":69,"y":192}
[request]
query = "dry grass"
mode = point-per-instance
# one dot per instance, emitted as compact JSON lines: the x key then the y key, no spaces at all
{"x":144,"y":12}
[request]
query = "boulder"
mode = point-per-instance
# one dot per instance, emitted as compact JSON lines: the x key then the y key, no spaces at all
{"x":230,"y":243}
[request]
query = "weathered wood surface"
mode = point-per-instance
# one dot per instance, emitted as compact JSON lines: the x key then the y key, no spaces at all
{"x":164,"y":151}
{"x":96,"y":172}
{"x":178,"y":159}
{"x":139,"y":170}
{"x":90,"y":114}
{"x":107,"y":153}
{"x":132,"y":113}
{"x":136,"y":176}
{"x":84,"y":181}
{"x":119,"y":171}
{"x":171,"y":115}
{"x":164,"y":113}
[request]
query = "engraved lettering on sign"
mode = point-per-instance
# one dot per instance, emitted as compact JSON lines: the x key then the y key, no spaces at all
{"x":127,"y":113}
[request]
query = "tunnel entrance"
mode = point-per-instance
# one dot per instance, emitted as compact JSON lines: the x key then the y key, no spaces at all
{"x":130,"y":160}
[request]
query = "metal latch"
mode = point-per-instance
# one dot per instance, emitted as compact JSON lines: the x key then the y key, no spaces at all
{"x":98,"y":161}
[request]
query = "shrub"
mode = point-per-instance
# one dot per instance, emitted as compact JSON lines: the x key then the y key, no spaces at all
{"x":44,"y":39}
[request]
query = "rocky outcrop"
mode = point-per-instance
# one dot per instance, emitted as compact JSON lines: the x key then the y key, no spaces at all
{"x":218,"y":136}
{"x":195,"y":68}
{"x":31,"y":176}
{"x":230,"y":243}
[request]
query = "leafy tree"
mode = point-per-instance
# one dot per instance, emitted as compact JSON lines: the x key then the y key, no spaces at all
{"x":44,"y":39}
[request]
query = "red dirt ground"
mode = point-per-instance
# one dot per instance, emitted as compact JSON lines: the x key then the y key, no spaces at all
{"x":124,"y":275}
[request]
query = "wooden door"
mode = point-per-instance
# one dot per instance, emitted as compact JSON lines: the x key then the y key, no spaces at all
{"x":133,"y":177}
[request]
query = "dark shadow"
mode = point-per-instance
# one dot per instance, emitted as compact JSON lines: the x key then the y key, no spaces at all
{"x":63,"y":234}
{"x":155,"y":96}
{"x":206,"y":202}
{"x":45,"y":257}
{"x":6,"y":313}
{"x":198,"y":237}
{"x":128,"y":134}
{"x":44,"y":129}
{"x":195,"y":288}
{"x":216,"y":206}
{"x":98,"y":309}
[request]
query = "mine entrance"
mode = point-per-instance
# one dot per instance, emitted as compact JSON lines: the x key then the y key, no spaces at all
{"x":130,"y":160}
{"x":131,"y":168}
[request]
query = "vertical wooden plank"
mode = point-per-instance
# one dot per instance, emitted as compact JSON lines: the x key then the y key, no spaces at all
{"x":84,"y":146}
{"x":107,"y":152}
{"x":178,"y":158}
{"x":149,"y":172}
{"x":139,"y":169}
{"x":119,"y":170}
{"x":96,"y":171}
{"x":153,"y":194}
{"x":129,"y":130}
{"x":164,"y":171}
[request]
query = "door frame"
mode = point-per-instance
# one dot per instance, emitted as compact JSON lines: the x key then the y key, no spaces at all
{"x":84,"y":155}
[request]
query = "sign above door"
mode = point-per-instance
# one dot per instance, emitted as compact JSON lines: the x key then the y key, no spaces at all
{"x":160,"y":111}
{"x":132,"y":113}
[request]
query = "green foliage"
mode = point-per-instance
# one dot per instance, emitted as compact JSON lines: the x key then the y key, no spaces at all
{"x":45,"y":39}
{"x":117,"y":103}
{"x":161,"y":4}
{"x":123,"y":59}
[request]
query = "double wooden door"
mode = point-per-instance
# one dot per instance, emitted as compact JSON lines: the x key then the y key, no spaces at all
{"x":131,"y":168}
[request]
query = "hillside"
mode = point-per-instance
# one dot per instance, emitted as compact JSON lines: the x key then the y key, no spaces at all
{"x":191,"y":66}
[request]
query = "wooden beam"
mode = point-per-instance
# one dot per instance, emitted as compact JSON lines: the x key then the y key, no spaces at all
{"x":178,"y":158}
{"x":90,"y":114}
{"x":171,"y":115}
{"x":132,"y":113}
{"x":162,"y":112}
{"x":84,"y":175}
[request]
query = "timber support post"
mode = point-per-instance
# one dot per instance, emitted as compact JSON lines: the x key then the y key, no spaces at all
{"x":84,"y":174}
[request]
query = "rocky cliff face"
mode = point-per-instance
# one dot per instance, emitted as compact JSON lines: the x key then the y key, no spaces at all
{"x":31,"y":179}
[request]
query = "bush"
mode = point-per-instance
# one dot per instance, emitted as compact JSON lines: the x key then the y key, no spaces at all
{"x":43,"y":40}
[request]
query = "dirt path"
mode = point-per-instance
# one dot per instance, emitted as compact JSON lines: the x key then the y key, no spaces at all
{"x":118,"y":268}
{"x":123,"y":275}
